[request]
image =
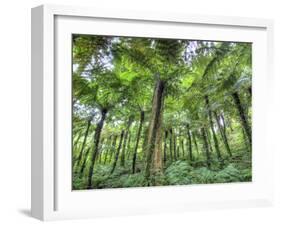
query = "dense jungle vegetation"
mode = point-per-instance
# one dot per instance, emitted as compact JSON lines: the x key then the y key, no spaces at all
{"x":153,"y":112}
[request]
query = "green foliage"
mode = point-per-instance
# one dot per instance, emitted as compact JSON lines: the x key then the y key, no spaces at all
{"x":228,"y":174}
{"x":203,"y":176}
{"x":119,"y":76}
{"x":178,"y":173}
{"x":181,"y":173}
{"x":120,"y":178}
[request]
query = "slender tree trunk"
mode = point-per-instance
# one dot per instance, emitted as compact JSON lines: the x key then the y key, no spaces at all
{"x":165,"y":146}
{"x":74,"y":147}
{"x":228,"y":121}
{"x":77,"y":140}
{"x":224,"y":123}
{"x":223,"y":134}
{"x":122,"y":159}
{"x":122,"y":162}
{"x":96,"y":145}
{"x":154,"y":141}
{"x":212,"y":129}
{"x":129,"y":146}
{"x":243,"y":117}
{"x":84,"y":142}
{"x":100,"y":150}
{"x":107,"y":149}
{"x":195,"y":143}
{"x":206,"y":147}
{"x":221,"y":117}
{"x":129,"y":149}
{"x":175,"y":145}
{"x":144,"y":141}
{"x":209,"y":140}
{"x":189,"y":147}
{"x":137,"y":142}
{"x":182,"y":147}
{"x":117,"y":152}
{"x":250,"y":91}
{"x":112,"y":148}
{"x":84,"y":162}
{"x":246,"y":141}
{"x":171,"y":144}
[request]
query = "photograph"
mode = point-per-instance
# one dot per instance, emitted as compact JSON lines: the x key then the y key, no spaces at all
{"x":160,"y":112}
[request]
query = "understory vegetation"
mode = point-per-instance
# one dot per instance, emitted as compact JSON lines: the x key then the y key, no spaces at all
{"x":154,"y":112}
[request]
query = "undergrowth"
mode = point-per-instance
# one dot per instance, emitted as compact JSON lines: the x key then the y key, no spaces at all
{"x":180,"y":172}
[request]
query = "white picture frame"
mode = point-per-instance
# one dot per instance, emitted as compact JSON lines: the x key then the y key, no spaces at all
{"x":52,"y":197}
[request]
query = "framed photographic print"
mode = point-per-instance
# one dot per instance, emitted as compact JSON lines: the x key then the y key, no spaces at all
{"x":137,"y":112}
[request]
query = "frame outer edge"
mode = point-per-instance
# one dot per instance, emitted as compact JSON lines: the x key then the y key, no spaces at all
{"x":42,"y":88}
{"x":159,"y":16}
{"x":271,"y":92}
{"x":48,"y":164}
{"x":37,"y":113}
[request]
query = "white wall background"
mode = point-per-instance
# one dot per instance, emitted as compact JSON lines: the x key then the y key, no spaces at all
{"x":15,"y":111}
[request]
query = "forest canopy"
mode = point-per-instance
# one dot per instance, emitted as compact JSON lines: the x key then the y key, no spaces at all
{"x":154,"y":112}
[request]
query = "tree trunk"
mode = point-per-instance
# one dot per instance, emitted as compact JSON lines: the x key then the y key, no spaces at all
{"x":154,"y":158}
{"x":209,"y":140}
{"x":96,"y":145}
{"x":165,"y":146}
{"x":137,"y":142}
{"x":171,"y":144}
{"x":84,"y":142}
{"x":206,"y":147}
{"x":189,"y":148}
{"x":84,"y":161}
{"x":122,"y":162}
{"x":228,"y":121}
{"x":129,"y":147}
{"x":100,"y":150}
{"x":223,"y":134}
{"x":77,"y":140}
{"x":107,"y":149}
{"x":243,"y":117}
{"x":112,"y":148}
{"x":195,"y":142}
{"x":117,"y":152}
{"x":144,"y":141}
{"x":182,"y":147}
{"x":212,"y":128}
{"x":250,"y":91}
{"x":246,"y":141}
{"x":223,"y":122}
{"x":175,"y":145}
